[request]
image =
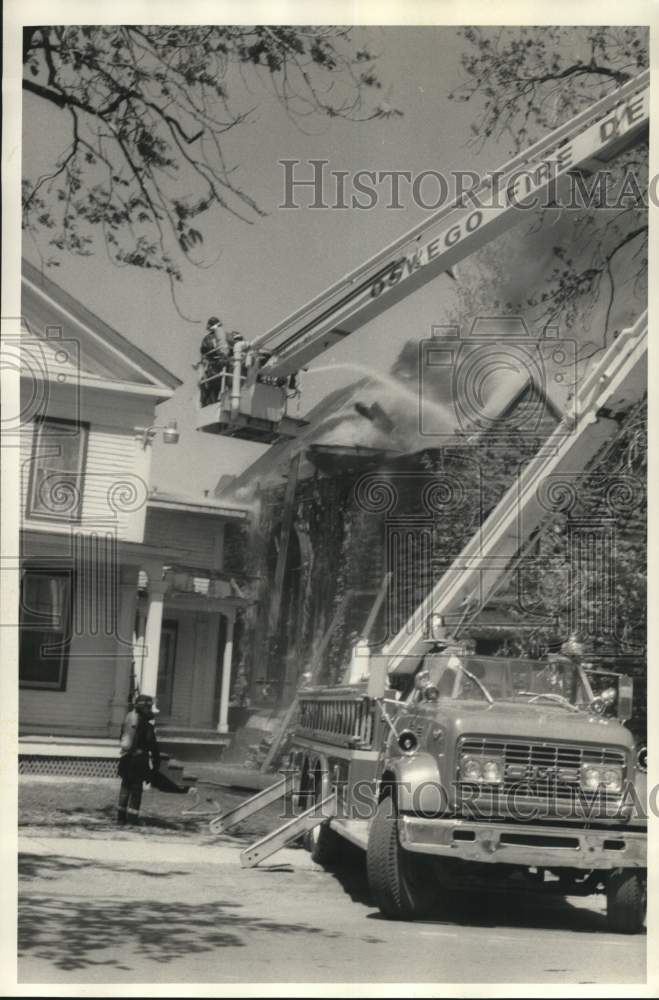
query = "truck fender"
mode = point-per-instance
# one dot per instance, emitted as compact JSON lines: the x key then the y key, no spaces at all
{"x":416,"y":784}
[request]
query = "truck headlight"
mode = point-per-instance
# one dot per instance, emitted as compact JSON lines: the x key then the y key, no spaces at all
{"x":608,"y":778}
{"x":493,"y":771}
{"x":482,"y":770}
{"x":612,"y":779}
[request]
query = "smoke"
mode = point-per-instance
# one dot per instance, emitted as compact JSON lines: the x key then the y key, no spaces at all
{"x":384,"y":413}
{"x":393,"y":411}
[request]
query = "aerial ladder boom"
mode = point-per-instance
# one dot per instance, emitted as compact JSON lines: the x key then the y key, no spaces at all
{"x":586,"y":142}
{"x":615,"y":383}
{"x":251,"y":400}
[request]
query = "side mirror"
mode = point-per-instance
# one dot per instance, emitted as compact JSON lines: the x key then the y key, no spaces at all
{"x":625,"y":702}
{"x":422,"y":680}
{"x":606,"y":702}
{"x":616,"y":691}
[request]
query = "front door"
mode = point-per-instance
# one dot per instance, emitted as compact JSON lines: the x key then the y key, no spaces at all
{"x":165,"y":688}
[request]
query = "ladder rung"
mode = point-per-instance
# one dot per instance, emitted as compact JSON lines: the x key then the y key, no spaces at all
{"x":319,"y":813}
{"x":253,"y":805}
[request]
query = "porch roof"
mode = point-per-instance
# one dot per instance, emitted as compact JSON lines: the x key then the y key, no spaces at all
{"x":177,"y":501}
{"x":57,"y":541}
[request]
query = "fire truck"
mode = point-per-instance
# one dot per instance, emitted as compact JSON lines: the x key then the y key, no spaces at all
{"x":454,"y":771}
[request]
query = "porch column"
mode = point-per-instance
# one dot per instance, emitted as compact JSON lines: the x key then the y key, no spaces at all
{"x":223,"y":723}
{"x":157,"y":590}
{"x":125,"y":649}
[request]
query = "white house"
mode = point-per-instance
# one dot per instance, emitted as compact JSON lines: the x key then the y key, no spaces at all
{"x":120,"y":587}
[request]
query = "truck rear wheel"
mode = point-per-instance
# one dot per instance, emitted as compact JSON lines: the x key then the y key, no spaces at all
{"x":323,"y":843}
{"x":626,"y":901}
{"x":401,"y":888}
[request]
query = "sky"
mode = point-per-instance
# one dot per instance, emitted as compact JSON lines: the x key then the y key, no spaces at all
{"x":258,"y":274}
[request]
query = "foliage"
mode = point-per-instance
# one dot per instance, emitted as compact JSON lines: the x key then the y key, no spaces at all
{"x":530,"y":80}
{"x":585,"y":569}
{"x":149,"y":110}
{"x":524,"y":82}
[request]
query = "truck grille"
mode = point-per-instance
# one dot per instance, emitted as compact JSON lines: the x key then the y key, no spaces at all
{"x":543,"y":771}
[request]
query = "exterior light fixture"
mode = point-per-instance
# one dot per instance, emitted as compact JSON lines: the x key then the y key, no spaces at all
{"x":170,"y":433}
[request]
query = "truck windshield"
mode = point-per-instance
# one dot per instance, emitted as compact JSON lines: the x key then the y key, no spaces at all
{"x":557,"y":679}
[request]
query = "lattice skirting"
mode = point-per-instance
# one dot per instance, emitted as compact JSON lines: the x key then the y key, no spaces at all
{"x":78,"y":767}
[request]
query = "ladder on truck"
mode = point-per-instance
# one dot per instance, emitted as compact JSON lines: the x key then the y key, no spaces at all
{"x":255,"y":407}
{"x":616,"y":381}
{"x":584,"y":144}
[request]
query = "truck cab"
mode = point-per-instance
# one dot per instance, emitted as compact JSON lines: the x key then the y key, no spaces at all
{"x":469,"y":771}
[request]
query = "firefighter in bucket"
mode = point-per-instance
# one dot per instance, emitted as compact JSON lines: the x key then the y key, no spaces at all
{"x":215,"y":352}
{"x":140,"y":757}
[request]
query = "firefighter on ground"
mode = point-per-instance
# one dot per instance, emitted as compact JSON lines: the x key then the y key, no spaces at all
{"x":140,"y":757}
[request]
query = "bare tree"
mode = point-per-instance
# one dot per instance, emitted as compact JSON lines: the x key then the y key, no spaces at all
{"x":149,"y":109}
{"x":523,"y":82}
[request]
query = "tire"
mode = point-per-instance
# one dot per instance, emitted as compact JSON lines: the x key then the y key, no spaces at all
{"x":626,"y":901}
{"x":399,"y":883}
{"x":323,"y":844}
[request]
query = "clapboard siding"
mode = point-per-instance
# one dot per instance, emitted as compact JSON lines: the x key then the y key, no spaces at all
{"x":83,"y":706}
{"x":115,"y":481}
{"x":198,"y":536}
{"x":112,"y":482}
{"x":75,"y":368}
{"x":27,"y":439}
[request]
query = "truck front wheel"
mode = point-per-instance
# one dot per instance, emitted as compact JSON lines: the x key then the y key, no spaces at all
{"x":626,"y":901}
{"x":399,"y":884}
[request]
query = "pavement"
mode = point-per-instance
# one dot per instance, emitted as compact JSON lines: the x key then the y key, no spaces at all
{"x":167,"y":852}
{"x":169,"y":911}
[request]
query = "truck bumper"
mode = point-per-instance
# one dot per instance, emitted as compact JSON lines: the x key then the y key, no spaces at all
{"x":530,"y":846}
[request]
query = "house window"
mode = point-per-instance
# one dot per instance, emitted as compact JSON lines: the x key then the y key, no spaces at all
{"x":56,"y":470}
{"x":45,"y":627}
